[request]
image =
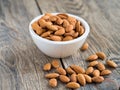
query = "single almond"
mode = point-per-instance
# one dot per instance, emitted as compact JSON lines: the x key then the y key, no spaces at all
{"x":96,"y":73}
{"x":45,"y":34}
{"x":55,"y":38}
{"x":42,"y":23}
{"x":92,"y":57}
{"x":69,"y":28}
{"x":105,"y":72}
{"x":47,"y":67}
{"x":61,"y":71}
{"x":101,"y":55}
{"x":53,"y":82}
{"x":64,"y":78}
{"x":62,"y":16}
{"x":73,"y":78}
{"x":75,"y":34}
{"x":82,"y":30}
{"x":65,"y":23}
{"x":93,"y":63}
{"x":84,"y":46}
{"x":88,"y":78}
{"x":52,"y":75}
{"x":100,"y":66}
{"x":72,"y":21}
{"x":98,"y":79}
{"x":73,"y":85}
{"x":53,"y":18}
{"x":81,"y":79}
{"x":111,"y":63}
{"x":89,"y":70}
{"x":55,"y":63}
{"x":77,"y":69}
{"x":69,"y":70}
{"x":59,"y":21}
{"x":77,"y":26}
{"x":52,"y":27}
{"x":60,"y":31}
{"x":67,"y":38}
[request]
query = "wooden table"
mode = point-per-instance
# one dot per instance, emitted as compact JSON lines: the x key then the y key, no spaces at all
{"x":20,"y":60}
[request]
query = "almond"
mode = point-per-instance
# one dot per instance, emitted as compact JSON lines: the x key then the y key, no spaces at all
{"x":111,"y":63}
{"x":84,"y":46}
{"x":81,"y":79}
{"x":69,"y":70}
{"x":88,"y":78}
{"x":59,"y":21}
{"x":73,"y":85}
{"x":105,"y":72}
{"x":61,"y":71}
{"x":89,"y":70}
{"x":60,"y":31}
{"x":96,"y":73}
{"x":45,"y":17}
{"x":92,"y":57}
{"x":77,"y":26}
{"x":53,"y":82}
{"x":72,"y":21}
{"x":93,"y":63}
{"x":65,"y":23}
{"x":69,"y":33}
{"x":67,"y":38}
{"x":75,"y":34}
{"x":55,"y":63}
{"x":47,"y":67}
{"x":77,"y":69}
{"x":73,"y":78}
{"x":62,"y":16}
{"x":100,"y":66}
{"x":64,"y":78}
{"x":98,"y":79}
{"x":52,"y":75}
{"x":101,"y":55}
{"x":52,"y":27}
{"x":45,"y":34}
{"x":53,"y":18}
{"x":81,"y":30}
{"x":55,"y":38}
{"x":42,"y":23}
{"x":69,"y":28}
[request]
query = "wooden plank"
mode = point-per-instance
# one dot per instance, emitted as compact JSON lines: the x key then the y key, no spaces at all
{"x":103,"y":18}
{"x":21,"y":62}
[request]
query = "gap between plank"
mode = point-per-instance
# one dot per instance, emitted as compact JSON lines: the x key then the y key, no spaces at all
{"x":38,"y":6}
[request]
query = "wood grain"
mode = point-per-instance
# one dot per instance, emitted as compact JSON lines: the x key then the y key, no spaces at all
{"x":21,"y":62}
{"x":103,"y":18}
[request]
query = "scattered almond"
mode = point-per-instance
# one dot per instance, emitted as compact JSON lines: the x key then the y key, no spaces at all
{"x":47,"y":67}
{"x":64,"y":78}
{"x":105,"y":72}
{"x":69,"y":70}
{"x":81,"y":79}
{"x":111,"y":63}
{"x":101,"y":55}
{"x":73,"y":78}
{"x":89,"y":70}
{"x":85,"y":46}
{"x":88,"y":78}
{"x":92,"y":57}
{"x":53,"y":82}
{"x":73,"y":85}
{"x":55,"y":63}
{"x":98,"y":79}
{"x":77,"y":69}
{"x":61,"y":71}
{"x":100,"y":66}
{"x":93,"y":63}
{"x":96,"y":73}
{"x":52,"y":75}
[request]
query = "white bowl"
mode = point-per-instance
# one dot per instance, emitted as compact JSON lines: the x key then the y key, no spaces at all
{"x":58,"y":49}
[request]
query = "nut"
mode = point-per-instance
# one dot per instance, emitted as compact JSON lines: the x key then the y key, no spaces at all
{"x":100,"y":66}
{"x":101,"y":55}
{"x":64,"y":78}
{"x":55,"y":63}
{"x":88,"y":78}
{"x":60,"y":31}
{"x":89,"y":70}
{"x":73,"y":78}
{"x":73,"y":85}
{"x":111,"y":63}
{"x":62,"y":16}
{"x":69,"y":70}
{"x":93,"y":63}
{"x":105,"y":72}
{"x":98,"y":79}
{"x":52,"y":75}
{"x":81,"y":79}
{"x":96,"y":73}
{"x":61,"y":71}
{"x":55,"y":38}
{"x":53,"y":82}
{"x":84,"y":46}
{"x":47,"y":67}
{"x":67,"y":38}
{"x":92,"y":57}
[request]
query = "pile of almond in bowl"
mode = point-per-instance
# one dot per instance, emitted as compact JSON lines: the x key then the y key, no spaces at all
{"x":60,"y":27}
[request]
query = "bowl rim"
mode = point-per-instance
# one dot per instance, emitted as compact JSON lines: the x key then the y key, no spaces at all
{"x":84,"y":23}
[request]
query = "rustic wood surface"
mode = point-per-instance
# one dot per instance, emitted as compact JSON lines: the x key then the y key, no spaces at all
{"x":20,"y":60}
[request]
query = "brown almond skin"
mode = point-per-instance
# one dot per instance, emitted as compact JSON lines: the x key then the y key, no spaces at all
{"x":64,"y":78}
{"x":65,"y":23}
{"x":89,"y":70}
{"x":96,"y":73}
{"x":105,"y":72}
{"x":61,"y":71}
{"x":55,"y":38}
{"x":47,"y":67}
{"x":73,"y":85}
{"x":45,"y":34}
{"x":67,"y":38}
{"x":88,"y":78}
{"x":92,"y":57}
{"x":53,"y":82}
{"x":62,"y":16}
{"x":93,"y":63}
{"x":69,"y":28}
{"x":52,"y":75}
{"x":81,"y":79}
{"x":69,"y":70}
{"x":81,"y":30}
{"x":111,"y":63}
{"x":73,"y":78}
{"x":101,"y":55}
{"x":60,"y":31}
{"x":100,"y":66}
{"x":77,"y":69}
{"x":84,"y":46}
{"x":55,"y":63}
{"x":98,"y":79}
